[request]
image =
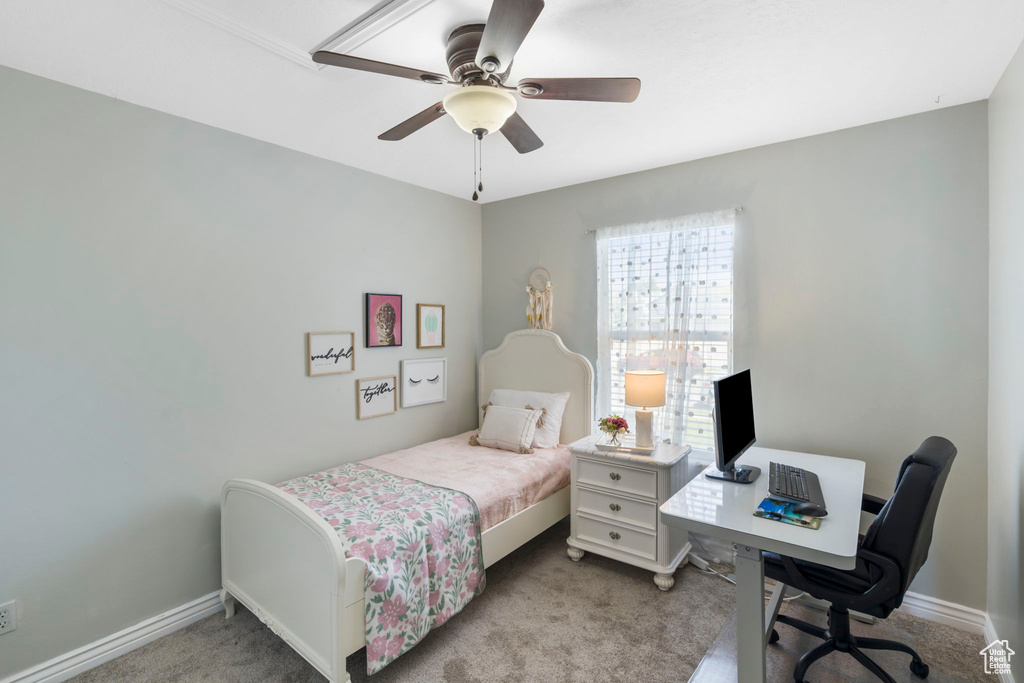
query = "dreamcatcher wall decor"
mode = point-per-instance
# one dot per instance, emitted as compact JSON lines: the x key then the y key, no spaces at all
{"x":542,"y":299}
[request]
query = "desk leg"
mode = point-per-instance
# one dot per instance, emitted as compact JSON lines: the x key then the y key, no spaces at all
{"x":750,"y":636}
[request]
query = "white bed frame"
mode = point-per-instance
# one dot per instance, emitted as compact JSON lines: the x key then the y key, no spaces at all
{"x":287,"y":565}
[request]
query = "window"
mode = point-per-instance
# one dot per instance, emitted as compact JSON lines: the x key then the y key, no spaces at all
{"x":665,"y":302}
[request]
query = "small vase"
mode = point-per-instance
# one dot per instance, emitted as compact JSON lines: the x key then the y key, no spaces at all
{"x":613,"y":439}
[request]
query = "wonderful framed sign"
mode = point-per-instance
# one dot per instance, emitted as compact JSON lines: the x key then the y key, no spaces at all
{"x":330,"y":353}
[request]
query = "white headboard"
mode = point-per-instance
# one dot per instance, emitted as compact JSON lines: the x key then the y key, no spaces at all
{"x":537,"y":360}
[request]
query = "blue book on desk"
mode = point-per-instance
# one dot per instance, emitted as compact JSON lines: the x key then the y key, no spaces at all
{"x":783,"y":512}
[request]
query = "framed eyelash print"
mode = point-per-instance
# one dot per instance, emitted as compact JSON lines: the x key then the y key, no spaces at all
{"x":424,"y":380}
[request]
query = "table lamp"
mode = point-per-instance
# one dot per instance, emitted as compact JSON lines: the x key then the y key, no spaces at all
{"x":645,"y":389}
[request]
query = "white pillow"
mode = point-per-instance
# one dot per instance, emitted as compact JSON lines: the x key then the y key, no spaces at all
{"x":553,"y":406}
{"x":510,"y":429}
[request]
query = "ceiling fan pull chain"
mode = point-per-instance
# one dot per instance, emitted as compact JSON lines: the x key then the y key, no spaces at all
{"x":475,"y":195}
{"x":480,"y":185}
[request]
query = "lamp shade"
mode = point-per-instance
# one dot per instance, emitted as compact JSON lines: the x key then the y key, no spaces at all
{"x":479,"y":107}
{"x":645,"y":388}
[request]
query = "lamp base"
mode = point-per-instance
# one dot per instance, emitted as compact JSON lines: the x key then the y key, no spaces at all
{"x":644,"y":425}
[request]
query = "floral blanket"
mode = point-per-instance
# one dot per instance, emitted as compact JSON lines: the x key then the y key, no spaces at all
{"x":420,"y":543}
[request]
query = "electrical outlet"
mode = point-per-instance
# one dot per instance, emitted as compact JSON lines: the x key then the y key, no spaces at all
{"x":8,"y":617}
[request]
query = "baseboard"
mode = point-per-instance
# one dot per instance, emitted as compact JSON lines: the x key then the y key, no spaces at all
{"x":92,"y":655}
{"x":924,"y":606}
{"x":990,"y":637}
{"x":948,"y":613}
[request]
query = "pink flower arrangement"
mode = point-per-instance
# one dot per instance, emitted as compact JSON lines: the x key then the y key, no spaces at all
{"x":616,"y":424}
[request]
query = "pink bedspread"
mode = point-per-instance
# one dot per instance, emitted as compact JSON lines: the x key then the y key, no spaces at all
{"x":501,"y":483}
{"x":420,"y":544}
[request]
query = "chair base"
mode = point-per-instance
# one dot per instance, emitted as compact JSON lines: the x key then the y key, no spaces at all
{"x":838,"y":638}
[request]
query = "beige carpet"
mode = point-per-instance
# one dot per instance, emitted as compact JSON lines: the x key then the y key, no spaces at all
{"x":542,"y":618}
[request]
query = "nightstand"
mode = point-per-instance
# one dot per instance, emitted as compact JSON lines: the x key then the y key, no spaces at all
{"x":615,"y":501}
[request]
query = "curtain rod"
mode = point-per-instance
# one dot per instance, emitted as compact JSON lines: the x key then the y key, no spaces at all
{"x":737,"y":209}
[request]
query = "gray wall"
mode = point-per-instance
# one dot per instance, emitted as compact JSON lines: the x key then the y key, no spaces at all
{"x":157,"y":277}
{"x":861,"y":263}
{"x":1006,"y":361}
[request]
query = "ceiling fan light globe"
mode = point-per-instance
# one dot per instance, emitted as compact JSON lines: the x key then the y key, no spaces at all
{"x":480,"y":107}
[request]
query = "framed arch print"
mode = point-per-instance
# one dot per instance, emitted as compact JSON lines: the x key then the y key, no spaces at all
{"x":430,"y":324}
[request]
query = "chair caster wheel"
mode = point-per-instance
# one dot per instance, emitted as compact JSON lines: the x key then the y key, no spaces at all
{"x":774,"y":637}
{"x":919,"y":670}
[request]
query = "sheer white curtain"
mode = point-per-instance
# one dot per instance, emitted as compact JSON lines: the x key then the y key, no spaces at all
{"x":665,"y":298}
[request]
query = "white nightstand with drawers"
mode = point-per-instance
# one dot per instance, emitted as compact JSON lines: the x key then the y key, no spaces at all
{"x":615,"y":501}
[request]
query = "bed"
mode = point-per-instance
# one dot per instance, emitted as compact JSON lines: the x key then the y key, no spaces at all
{"x":287,"y":565}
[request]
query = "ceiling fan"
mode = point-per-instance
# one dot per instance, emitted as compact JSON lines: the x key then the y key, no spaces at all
{"x":480,"y":59}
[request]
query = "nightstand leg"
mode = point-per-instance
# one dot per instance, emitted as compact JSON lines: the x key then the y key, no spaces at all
{"x":575,"y":554}
{"x":664,"y":581}
{"x":229,"y":603}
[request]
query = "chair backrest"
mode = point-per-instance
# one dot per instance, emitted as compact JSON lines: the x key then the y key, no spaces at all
{"x":902,"y":531}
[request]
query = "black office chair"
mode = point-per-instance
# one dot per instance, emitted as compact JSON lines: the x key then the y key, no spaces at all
{"x":888,"y":558}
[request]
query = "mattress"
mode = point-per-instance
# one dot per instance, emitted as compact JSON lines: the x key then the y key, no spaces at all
{"x":503,"y":484}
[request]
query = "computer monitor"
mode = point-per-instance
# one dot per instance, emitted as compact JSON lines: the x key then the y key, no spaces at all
{"x":734,"y":428}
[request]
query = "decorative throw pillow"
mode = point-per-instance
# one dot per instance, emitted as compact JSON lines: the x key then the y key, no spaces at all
{"x":510,"y":429}
{"x":553,"y":406}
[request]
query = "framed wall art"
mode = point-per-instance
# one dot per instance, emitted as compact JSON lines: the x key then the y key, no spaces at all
{"x":430,"y":324}
{"x":330,"y":353}
{"x":383,"y":320}
{"x":376,"y":396}
{"x":424,"y":380}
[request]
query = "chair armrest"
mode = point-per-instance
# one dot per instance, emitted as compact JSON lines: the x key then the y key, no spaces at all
{"x":872,"y":504}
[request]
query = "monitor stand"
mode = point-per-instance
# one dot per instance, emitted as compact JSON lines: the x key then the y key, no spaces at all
{"x":737,"y":475}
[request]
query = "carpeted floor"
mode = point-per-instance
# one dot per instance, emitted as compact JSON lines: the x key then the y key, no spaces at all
{"x":546,"y":618}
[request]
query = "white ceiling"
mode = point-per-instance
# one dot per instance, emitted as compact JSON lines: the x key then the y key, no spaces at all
{"x":718,"y":75}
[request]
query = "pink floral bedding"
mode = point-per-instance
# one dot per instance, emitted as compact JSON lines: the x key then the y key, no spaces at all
{"x":420,"y":543}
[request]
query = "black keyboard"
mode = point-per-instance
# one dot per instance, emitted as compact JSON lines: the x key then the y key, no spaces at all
{"x":793,"y":485}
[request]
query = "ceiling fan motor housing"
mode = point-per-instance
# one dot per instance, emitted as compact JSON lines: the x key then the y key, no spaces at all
{"x":463,"y":44}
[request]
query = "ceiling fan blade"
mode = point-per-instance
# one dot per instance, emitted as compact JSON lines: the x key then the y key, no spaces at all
{"x":520,"y":135}
{"x":414,"y":123}
{"x":350,"y":62}
{"x":583,"y":89}
{"x":506,"y":28}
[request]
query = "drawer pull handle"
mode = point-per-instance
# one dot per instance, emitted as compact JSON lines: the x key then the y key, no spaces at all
{"x":615,"y":476}
{"x":615,"y":507}
{"x":615,"y":535}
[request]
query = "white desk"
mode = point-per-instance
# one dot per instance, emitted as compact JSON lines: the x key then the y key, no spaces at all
{"x":726,"y":510}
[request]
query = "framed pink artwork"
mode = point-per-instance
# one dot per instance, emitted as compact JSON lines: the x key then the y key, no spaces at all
{"x":383,"y":320}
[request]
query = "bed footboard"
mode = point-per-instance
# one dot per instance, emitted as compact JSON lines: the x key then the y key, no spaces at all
{"x":286,"y":565}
